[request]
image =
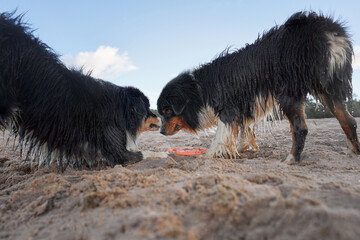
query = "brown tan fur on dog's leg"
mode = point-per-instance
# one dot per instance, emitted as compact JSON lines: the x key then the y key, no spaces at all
{"x":347,"y":122}
{"x":248,"y":140}
{"x":294,"y":111}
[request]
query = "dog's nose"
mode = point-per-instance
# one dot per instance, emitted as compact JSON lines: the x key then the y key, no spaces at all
{"x":162,"y":131}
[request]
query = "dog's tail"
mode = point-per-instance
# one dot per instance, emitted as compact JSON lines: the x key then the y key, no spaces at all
{"x":340,"y":53}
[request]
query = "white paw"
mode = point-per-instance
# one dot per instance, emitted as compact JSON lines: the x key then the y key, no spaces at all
{"x":222,"y":152}
{"x":352,"y":149}
{"x":290,"y":160}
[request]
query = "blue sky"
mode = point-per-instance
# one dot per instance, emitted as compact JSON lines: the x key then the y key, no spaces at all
{"x":146,"y":43}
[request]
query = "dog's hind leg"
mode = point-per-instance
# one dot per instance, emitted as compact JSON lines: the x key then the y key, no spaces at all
{"x":294,"y":111}
{"x":224,"y":144}
{"x":347,"y":122}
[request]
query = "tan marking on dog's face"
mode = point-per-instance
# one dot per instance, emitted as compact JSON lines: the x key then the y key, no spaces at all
{"x":150,"y":124}
{"x":175,"y":124}
{"x":166,"y":111}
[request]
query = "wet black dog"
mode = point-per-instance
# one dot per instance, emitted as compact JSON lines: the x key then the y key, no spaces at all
{"x":61,"y":114}
{"x":309,"y":54}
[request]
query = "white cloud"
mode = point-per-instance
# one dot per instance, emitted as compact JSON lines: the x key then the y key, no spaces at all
{"x":356,"y":59}
{"x":105,"y":62}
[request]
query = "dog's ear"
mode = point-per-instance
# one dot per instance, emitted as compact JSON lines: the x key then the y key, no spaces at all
{"x":178,"y":106}
{"x":138,"y":107}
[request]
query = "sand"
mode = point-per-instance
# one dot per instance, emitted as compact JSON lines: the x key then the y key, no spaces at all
{"x":253,"y":197}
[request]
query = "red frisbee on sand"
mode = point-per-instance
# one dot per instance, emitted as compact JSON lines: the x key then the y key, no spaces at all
{"x":187,"y":151}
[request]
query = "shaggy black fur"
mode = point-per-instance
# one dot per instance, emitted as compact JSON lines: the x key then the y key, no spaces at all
{"x":309,"y":54}
{"x":62,"y":114}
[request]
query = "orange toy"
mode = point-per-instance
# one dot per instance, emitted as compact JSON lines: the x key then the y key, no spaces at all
{"x":187,"y":151}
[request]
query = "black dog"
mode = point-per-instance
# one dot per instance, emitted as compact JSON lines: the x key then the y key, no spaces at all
{"x":62,"y":114}
{"x":309,"y":54}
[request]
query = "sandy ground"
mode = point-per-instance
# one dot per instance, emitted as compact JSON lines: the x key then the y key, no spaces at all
{"x":253,"y":197}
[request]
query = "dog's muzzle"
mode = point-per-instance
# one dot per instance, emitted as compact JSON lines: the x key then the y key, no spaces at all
{"x":162,"y":130}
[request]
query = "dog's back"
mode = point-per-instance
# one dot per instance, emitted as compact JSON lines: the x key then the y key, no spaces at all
{"x":313,"y":55}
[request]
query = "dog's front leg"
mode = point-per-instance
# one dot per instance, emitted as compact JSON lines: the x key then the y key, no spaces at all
{"x":224,"y":143}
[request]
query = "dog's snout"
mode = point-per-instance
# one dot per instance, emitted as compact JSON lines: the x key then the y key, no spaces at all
{"x":162,"y":130}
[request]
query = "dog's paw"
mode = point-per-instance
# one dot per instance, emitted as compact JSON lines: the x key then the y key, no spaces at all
{"x":133,"y":158}
{"x":290,"y":160}
{"x":221,"y":153}
{"x":353,"y":149}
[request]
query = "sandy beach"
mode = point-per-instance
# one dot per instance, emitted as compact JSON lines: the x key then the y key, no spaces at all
{"x":255,"y":196}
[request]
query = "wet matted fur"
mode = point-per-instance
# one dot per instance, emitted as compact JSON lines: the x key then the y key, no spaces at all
{"x":61,"y":114}
{"x":308,"y":54}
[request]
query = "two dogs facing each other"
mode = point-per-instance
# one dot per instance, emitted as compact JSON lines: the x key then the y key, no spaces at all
{"x":70,"y":117}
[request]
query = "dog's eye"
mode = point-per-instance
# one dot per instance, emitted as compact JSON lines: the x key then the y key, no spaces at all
{"x":167,"y":111}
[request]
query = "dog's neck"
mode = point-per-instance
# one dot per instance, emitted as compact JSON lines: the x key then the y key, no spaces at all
{"x":199,"y":88}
